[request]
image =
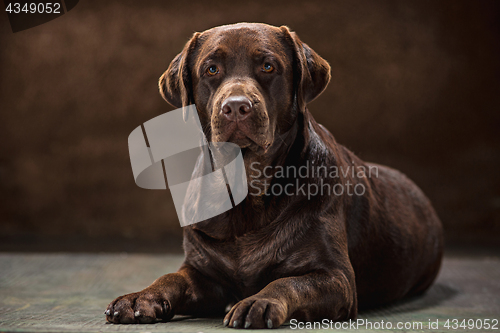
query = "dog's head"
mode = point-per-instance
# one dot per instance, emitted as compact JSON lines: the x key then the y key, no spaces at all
{"x":249,"y":82}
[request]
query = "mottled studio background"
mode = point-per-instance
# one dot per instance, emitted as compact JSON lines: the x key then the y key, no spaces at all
{"x":415,"y":85}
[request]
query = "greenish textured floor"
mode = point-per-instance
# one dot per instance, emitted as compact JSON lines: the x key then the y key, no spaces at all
{"x":69,"y":292}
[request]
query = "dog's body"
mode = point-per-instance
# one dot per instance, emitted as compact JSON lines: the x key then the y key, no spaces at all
{"x":278,"y":257}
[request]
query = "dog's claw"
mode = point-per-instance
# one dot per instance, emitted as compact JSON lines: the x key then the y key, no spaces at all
{"x":235,"y":323}
{"x":107,"y":312}
{"x":247,"y":324}
{"x":226,"y":322}
{"x":269,"y":323}
{"x":116,"y":314}
{"x":137,"y":314}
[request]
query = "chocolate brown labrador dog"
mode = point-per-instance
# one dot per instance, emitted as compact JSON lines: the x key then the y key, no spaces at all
{"x":287,"y":251}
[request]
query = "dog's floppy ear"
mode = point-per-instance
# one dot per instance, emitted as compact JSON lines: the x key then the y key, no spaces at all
{"x":311,"y":72}
{"x":175,"y":84}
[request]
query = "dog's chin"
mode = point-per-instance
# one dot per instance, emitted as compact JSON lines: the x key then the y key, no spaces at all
{"x":241,"y":140}
{"x":247,"y":144}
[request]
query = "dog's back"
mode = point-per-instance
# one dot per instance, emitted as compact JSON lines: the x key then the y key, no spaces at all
{"x":395,"y":238}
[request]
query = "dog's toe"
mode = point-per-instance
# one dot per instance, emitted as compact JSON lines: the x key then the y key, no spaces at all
{"x":142,"y":307}
{"x":255,"y":312}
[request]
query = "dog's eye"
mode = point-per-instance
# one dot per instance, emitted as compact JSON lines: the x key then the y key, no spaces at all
{"x":267,"y":68}
{"x":212,"y":70}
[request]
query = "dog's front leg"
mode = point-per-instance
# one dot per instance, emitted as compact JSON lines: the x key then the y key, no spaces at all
{"x":313,"y":296}
{"x":185,"y":292}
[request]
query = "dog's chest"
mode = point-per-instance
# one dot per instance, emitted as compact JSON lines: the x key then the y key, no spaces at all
{"x":250,"y":263}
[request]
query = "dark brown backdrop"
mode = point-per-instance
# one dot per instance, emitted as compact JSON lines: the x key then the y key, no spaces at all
{"x":415,"y":86}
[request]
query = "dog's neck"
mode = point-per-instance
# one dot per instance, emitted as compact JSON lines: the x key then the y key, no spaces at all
{"x":260,"y":167}
{"x":292,"y":142}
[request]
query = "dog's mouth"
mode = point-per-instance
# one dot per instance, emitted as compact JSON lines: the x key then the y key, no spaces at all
{"x":246,"y":142}
{"x":256,"y":140}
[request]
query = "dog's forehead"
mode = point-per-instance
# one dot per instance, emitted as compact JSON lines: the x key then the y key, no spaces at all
{"x":248,"y":38}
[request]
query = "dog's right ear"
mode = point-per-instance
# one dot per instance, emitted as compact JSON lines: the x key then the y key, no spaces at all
{"x":175,"y":84}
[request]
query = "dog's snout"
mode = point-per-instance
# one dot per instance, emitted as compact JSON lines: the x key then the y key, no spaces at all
{"x":236,"y":108}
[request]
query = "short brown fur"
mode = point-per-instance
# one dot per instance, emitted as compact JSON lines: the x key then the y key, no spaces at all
{"x":274,"y":258}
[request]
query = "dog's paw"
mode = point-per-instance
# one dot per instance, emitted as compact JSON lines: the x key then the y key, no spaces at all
{"x":256,"y":312}
{"x":138,"y":308}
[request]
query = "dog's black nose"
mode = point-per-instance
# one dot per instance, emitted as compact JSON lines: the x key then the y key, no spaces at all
{"x":236,"y":108}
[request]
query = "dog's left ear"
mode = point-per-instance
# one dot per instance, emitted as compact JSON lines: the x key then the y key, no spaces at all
{"x":311,"y":72}
{"x":175,"y":84}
